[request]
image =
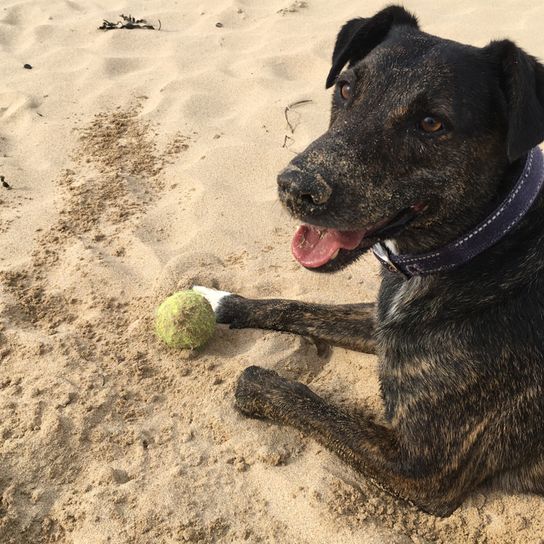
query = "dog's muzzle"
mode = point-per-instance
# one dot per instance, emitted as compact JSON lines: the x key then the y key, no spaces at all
{"x":302,"y":189}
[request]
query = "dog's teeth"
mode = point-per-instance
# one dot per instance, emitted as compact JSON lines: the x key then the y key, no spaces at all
{"x":335,"y":254}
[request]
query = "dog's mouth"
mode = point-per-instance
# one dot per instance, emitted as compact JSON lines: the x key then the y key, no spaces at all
{"x":328,"y":250}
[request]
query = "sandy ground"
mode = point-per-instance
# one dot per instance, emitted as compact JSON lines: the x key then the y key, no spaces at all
{"x":141,"y":162}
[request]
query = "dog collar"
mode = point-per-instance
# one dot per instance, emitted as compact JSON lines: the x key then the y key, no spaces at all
{"x":487,"y":233}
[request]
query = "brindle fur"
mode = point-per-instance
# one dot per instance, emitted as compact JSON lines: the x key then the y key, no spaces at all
{"x":352,"y":327}
{"x":461,"y":354}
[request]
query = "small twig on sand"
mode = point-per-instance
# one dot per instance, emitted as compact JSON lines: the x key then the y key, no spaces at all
{"x":288,"y":141}
{"x":299,"y":103}
{"x":286,"y":114}
{"x":128,"y":22}
{"x":288,"y":109}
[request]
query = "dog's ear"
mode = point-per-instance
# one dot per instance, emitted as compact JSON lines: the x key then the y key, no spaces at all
{"x":359,"y":36}
{"x":522,"y":82}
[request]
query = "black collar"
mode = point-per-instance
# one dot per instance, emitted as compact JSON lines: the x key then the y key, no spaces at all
{"x":502,"y":220}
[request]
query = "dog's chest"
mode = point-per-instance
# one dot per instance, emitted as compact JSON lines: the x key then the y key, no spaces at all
{"x":403,"y":314}
{"x":401,"y":335}
{"x":398,"y":298}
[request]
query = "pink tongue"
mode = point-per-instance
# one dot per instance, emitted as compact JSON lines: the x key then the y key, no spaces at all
{"x":313,"y":247}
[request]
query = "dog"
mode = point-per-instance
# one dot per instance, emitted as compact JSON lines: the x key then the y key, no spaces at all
{"x":431,"y":160}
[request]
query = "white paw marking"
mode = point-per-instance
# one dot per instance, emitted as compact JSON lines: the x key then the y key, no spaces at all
{"x":213,"y":296}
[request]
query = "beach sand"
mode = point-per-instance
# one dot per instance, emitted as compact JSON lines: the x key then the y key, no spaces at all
{"x":142,"y":162}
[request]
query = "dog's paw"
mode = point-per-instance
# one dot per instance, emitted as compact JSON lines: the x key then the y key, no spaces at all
{"x":250,"y":396}
{"x":262,"y":393}
{"x":229,"y":309}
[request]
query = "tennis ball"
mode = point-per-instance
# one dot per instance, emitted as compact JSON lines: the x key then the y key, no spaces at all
{"x":185,"y":320}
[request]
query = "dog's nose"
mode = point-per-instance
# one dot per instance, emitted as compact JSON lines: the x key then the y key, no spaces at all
{"x":301,"y":185}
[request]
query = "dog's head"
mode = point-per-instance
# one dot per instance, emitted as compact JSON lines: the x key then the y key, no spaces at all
{"x":425,"y":134}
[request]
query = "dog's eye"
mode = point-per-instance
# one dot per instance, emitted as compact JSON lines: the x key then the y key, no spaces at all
{"x":345,"y":90}
{"x":431,"y":124}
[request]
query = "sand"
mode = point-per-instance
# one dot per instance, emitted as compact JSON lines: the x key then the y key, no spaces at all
{"x":142,"y":162}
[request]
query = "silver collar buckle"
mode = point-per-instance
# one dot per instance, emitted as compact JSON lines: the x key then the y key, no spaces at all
{"x":383,"y":255}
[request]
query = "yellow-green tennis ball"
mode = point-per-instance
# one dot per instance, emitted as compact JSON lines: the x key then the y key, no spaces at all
{"x":185,"y":320}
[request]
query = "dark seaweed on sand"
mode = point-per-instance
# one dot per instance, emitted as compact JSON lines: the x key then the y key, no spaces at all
{"x":128,"y":22}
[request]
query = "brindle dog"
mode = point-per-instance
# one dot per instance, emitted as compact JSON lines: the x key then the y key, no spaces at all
{"x":437,"y":132}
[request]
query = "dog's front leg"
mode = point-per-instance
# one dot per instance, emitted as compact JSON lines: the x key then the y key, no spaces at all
{"x":428,"y":473}
{"x":349,"y":325}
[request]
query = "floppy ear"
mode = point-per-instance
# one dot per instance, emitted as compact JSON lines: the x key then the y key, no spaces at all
{"x":522,"y":82}
{"x":359,"y":36}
